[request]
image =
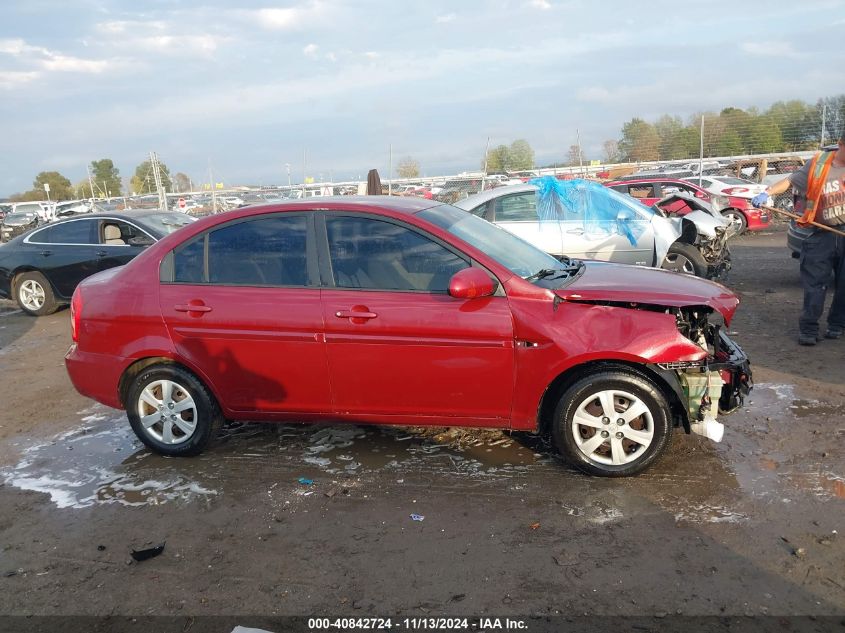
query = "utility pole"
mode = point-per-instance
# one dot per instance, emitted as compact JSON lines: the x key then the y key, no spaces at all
{"x":162,"y":195}
{"x":580,"y":158}
{"x":304,"y":163}
{"x":824,"y":122}
{"x":287,"y":166}
{"x":213,"y":190}
{"x":390,"y":169}
{"x":90,"y":181}
{"x":701,"y":151}
{"x":486,"y":155}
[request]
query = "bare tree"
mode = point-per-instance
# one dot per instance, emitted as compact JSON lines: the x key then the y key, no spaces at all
{"x":408,"y":168}
{"x":611,"y":151}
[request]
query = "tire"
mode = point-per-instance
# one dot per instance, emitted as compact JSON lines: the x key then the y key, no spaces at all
{"x":737,"y":217}
{"x":685,"y":258}
{"x":579,"y":423}
{"x":34,"y":294}
{"x":181,"y":424}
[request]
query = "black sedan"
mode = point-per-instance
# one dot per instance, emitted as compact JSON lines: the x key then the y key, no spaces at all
{"x":41,"y":268}
{"x":16,"y":223}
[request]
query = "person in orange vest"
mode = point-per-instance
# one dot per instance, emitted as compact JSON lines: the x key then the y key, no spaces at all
{"x":819,"y":188}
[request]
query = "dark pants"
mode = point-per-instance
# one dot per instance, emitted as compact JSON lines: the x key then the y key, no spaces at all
{"x":822,"y":258}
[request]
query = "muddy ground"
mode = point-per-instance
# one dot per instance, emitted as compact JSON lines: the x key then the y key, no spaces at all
{"x":752,"y":526}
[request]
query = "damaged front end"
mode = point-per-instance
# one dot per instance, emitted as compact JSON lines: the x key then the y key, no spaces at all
{"x":701,"y":224}
{"x":717,"y":383}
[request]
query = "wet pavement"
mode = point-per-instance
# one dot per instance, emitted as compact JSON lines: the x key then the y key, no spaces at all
{"x":317,"y":519}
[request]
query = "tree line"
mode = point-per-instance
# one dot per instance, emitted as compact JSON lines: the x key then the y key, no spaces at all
{"x":786,"y":126}
{"x":104,"y":182}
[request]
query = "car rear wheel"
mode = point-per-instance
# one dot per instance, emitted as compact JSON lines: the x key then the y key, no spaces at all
{"x":685,"y":258}
{"x":35,"y":295}
{"x":614,"y":423}
{"x":172,"y":412}
{"x":737,"y":218}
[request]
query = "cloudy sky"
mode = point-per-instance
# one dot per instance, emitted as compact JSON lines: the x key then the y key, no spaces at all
{"x":248,"y":86}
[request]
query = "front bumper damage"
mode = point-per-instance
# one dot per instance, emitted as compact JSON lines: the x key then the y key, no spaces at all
{"x":717,"y":384}
{"x":716,"y":252}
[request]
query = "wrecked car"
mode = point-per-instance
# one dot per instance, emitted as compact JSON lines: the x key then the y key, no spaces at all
{"x":403,"y":311}
{"x":623,"y":231}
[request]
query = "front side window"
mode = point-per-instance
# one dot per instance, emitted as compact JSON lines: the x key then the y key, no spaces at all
{"x":75,"y":232}
{"x":268,"y":251}
{"x":378,"y":255}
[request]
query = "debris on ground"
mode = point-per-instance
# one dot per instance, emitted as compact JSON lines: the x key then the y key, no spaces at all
{"x":534,"y":526}
{"x":417,"y":517}
{"x":147,"y":553}
{"x":305,"y":481}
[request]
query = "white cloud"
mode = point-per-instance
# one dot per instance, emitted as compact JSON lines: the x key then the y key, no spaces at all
{"x":155,"y":36}
{"x":331,"y":57}
{"x":371,"y":55}
{"x":540,"y":4}
{"x":11,"y":79}
{"x":443,"y":19}
{"x":310,"y":51}
{"x":287,"y":18}
{"x":769,"y":49}
{"x":45,"y":59}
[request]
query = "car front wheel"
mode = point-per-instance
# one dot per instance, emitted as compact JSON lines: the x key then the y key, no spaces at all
{"x":685,"y":258}
{"x":171,"y":411}
{"x":614,"y":423}
{"x":34,"y":294}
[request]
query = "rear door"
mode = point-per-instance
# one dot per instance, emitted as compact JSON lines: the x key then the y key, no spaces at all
{"x":242,"y":304}
{"x":66,"y":253}
{"x":399,"y":346}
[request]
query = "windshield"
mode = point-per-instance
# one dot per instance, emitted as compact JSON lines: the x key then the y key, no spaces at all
{"x":513,"y":253}
{"x":21,"y":216}
{"x":164,"y":223}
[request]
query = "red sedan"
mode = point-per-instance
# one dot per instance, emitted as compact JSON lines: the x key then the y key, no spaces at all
{"x":402,"y":311}
{"x":737,"y":208}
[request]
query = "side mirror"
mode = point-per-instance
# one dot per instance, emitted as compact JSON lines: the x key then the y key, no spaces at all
{"x":141,"y":240}
{"x":471,"y":283}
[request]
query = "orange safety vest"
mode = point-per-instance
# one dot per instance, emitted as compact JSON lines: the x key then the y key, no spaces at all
{"x":819,"y":168}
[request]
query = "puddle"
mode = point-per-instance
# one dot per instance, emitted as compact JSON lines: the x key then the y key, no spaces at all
{"x":779,"y":402}
{"x":102,"y":462}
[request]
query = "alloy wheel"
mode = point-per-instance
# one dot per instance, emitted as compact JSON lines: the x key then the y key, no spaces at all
{"x":612,"y":427}
{"x":32,"y":295}
{"x":167,"y":412}
{"x":679,"y":263}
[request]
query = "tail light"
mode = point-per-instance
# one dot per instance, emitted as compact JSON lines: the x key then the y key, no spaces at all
{"x":735,"y":191}
{"x":75,"y":314}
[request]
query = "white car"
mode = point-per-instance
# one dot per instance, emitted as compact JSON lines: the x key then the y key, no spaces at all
{"x":695,"y":243}
{"x":729,"y":186}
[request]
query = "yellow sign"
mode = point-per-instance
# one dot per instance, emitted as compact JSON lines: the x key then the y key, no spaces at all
{"x":309,"y":180}
{"x":595,"y":163}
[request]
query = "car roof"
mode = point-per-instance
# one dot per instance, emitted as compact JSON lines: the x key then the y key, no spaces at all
{"x":399,"y":204}
{"x":489,"y":194}
{"x":649,"y":179}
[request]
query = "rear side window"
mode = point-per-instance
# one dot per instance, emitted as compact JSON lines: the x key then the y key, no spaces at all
{"x":75,"y":232}
{"x":268,"y":251}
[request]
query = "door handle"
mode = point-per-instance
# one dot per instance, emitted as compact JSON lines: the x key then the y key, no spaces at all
{"x":46,"y":253}
{"x":576,"y":231}
{"x":101,"y":253}
{"x":192,"y":308}
{"x":352,"y":314}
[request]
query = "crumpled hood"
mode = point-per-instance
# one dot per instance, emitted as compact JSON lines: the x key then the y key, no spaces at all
{"x":601,"y":281}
